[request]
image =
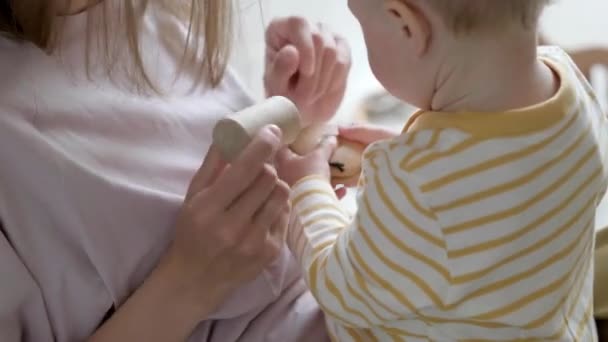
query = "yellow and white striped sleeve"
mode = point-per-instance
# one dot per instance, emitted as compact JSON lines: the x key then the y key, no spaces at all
{"x":386,"y":263}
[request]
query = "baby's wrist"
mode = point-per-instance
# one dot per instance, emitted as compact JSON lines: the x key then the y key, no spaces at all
{"x":309,"y":178}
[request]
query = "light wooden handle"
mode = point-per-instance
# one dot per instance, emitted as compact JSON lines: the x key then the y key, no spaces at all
{"x":233,"y":133}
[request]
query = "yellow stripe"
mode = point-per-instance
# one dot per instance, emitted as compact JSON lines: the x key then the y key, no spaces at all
{"x":465,"y":278}
{"x":401,"y":332}
{"x":313,"y":274}
{"x":323,"y":205}
{"x":518,"y":209}
{"x":370,"y":154}
{"x":500,"y":161}
{"x":306,"y":194}
{"x":411,"y":226}
{"x":414,"y":152}
{"x":535,"y":174}
{"x":398,"y":141}
{"x":396,"y":241}
{"x":522,"y":276}
{"x":494,"y":340}
{"x":437,"y":301}
{"x":584,"y":323}
{"x":318,"y":249}
{"x":336,"y":293}
{"x":383,"y":283}
{"x":580,"y":280}
{"x":313,"y":282}
{"x":363,"y":285}
{"x":331,"y":334}
{"x":412,"y":137}
{"x":368,"y":335}
{"x":324,"y":218}
{"x":425,"y":160}
{"x":458,"y":253}
{"x":314,"y":287}
{"x":405,"y":189}
{"x":352,"y":334}
{"x":356,"y":294}
{"x":530,"y":298}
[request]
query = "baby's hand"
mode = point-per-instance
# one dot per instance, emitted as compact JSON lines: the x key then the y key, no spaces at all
{"x":367,"y":134}
{"x":292,"y":167}
{"x":309,"y":65}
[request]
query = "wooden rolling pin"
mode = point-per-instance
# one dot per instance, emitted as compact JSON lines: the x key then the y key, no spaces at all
{"x":233,"y":133}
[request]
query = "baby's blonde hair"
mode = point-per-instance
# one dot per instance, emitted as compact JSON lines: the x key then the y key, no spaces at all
{"x":210,"y":21}
{"x":465,"y":16}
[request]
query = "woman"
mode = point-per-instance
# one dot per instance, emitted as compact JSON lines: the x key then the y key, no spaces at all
{"x":110,"y":228}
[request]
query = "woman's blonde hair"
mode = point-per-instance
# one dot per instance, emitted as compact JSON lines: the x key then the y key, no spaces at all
{"x":209,"y":21}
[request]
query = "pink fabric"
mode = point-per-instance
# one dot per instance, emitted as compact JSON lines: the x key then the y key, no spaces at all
{"x":91,"y":177}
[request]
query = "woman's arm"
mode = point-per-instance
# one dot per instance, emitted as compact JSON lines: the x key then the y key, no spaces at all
{"x":232,"y":224}
{"x":162,"y":309}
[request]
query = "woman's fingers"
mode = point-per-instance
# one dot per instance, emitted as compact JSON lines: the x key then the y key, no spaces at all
{"x":247,"y":166}
{"x":211,"y":168}
{"x":277,"y":234}
{"x":259,"y":237}
{"x":245,"y":207}
{"x":271,"y":209}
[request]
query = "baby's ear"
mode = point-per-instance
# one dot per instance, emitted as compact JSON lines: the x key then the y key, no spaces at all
{"x":413,"y":22}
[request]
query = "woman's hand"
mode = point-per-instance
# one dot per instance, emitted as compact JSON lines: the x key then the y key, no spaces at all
{"x":232,"y":224}
{"x":307,"y":64}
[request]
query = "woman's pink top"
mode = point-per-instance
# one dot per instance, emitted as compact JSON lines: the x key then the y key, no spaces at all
{"x":91,"y":179}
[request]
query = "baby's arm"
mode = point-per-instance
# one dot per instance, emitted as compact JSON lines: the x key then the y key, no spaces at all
{"x":387,"y":263}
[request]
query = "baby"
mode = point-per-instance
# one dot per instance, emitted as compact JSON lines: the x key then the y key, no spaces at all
{"x":477,"y":222}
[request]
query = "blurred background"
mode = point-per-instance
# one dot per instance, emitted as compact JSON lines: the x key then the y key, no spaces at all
{"x":572,"y":24}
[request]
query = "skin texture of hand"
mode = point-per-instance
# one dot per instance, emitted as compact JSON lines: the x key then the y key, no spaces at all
{"x":292,"y":167}
{"x":234,"y":219}
{"x":307,"y":64}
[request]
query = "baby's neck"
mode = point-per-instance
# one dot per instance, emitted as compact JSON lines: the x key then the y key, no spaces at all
{"x":492,"y":75}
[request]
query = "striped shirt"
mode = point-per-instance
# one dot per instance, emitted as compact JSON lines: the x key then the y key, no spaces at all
{"x":470,"y":226}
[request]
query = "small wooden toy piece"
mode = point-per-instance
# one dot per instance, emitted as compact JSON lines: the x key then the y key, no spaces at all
{"x":233,"y":133}
{"x":346,"y":162}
